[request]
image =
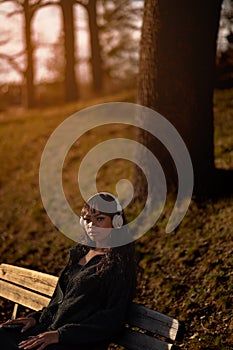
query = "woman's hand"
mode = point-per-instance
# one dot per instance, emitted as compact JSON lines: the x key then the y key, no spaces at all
{"x":27,"y":322}
{"x":40,"y":341}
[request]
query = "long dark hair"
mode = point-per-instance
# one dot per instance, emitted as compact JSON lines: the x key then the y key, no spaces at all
{"x":116,"y":255}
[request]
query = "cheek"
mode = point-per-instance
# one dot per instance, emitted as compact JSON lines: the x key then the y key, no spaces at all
{"x":107,"y":232}
{"x":109,"y":223}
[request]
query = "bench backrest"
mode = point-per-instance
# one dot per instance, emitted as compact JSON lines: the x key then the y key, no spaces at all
{"x":26,"y":287}
{"x":33,"y":290}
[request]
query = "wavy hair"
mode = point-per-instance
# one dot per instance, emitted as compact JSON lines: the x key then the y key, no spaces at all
{"x":117,"y":255}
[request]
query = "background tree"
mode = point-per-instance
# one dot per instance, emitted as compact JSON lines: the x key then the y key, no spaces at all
{"x":226,"y":22}
{"x":54,"y":65}
{"x":95,"y":48}
{"x":28,"y":11}
{"x":71,"y":88}
{"x":96,"y":54}
{"x":177,"y":75}
{"x":120,"y":26}
{"x":65,"y":47}
{"x":224,"y":77}
{"x":114,"y":28}
{"x":27,"y":8}
{"x":68,"y":37}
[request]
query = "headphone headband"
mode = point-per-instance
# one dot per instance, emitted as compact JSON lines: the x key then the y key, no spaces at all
{"x":119,"y":208}
{"x":117,"y":220}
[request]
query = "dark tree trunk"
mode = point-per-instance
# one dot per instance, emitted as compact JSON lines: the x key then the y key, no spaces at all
{"x":177,"y":71}
{"x":29,"y":96}
{"x":147,"y":83}
{"x":96,"y":62}
{"x":71,"y":88}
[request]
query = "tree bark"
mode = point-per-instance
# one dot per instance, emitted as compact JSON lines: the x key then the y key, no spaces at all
{"x":177,"y":71}
{"x":96,"y":61}
{"x":71,"y":88}
{"x":29,"y":97}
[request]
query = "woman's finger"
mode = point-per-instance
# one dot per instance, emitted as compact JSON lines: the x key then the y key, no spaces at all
{"x":26,"y":327}
{"x":28,"y":342}
{"x":38,"y":342}
{"x":7,"y":322}
{"x":17,"y":321}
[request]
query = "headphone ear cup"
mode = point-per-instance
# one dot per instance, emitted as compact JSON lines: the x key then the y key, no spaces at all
{"x":117,"y":221}
{"x":81,"y":221}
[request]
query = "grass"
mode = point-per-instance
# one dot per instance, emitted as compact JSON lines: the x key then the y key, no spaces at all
{"x":186,"y":274}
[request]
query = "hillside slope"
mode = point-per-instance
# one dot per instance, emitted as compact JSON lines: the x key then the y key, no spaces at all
{"x":186,"y":274}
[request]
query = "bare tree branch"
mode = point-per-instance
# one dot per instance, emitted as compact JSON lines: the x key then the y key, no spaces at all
{"x":49,"y":3}
{"x":40,"y":4}
{"x":17,"y":12}
{"x":18,"y":54}
{"x":33,"y":7}
{"x":11,"y":60}
{"x":82,"y":3}
{"x":3,"y":1}
{"x":19,"y":3}
{"x":4,"y":41}
{"x":3,"y":13}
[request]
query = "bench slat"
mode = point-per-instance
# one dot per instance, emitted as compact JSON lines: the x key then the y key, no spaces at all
{"x":22,"y":296}
{"x":153,"y":321}
{"x":38,"y":281}
{"x":138,"y":341}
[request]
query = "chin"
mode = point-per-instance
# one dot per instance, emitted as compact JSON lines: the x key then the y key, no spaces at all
{"x":92,"y":238}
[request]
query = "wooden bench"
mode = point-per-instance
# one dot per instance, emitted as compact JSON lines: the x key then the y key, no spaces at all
{"x":146,"y":329}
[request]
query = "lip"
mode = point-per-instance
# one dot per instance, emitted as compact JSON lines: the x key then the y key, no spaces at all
{"x":93,"y":233}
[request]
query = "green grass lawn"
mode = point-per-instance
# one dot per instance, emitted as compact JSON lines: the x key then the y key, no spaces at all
{"x":186,"y":274}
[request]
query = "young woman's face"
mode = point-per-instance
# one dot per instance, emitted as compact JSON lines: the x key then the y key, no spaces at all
{"x":97,"y":226}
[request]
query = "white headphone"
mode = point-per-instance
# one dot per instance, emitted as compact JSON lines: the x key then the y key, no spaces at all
{"x":117,"y":220}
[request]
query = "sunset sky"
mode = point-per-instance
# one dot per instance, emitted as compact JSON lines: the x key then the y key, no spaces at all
{"x":46,"y":29}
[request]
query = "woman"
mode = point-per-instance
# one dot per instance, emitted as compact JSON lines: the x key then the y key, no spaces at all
{"x":92,"y":296}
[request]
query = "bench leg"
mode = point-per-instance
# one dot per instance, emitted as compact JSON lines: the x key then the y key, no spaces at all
{"x":13,"y":317}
